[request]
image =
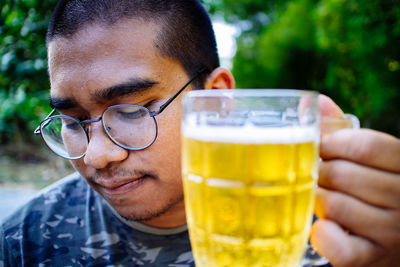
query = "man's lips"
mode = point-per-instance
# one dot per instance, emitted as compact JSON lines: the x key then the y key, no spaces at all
{"x":116,"y":186}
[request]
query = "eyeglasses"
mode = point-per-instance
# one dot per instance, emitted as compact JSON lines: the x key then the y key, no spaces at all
{"x":129,"y":126}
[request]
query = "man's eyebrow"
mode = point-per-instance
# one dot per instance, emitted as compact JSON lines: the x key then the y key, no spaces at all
{"x":103,"y":95}
{"x":62,"y":103}
{"x":123,"y":89}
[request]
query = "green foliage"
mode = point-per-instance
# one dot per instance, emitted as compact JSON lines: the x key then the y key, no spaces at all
{"x":347,"y":49}
{"x":24,"y":83}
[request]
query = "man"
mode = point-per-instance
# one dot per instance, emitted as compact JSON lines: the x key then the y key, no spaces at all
{"x":112,"y":62}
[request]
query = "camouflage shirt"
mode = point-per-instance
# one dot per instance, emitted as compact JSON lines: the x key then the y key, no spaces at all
{"x":69,"y":224}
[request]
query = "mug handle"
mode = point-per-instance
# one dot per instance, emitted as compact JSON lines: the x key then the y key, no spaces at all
{"x":333,"y":124}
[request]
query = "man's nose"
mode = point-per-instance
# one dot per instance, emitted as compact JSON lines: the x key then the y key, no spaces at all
{"x":101,"y":151}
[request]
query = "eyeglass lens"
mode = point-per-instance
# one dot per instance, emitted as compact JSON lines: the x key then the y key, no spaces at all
{"x":129,"y":126}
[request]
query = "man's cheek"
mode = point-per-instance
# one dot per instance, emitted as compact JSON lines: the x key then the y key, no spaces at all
{"x":78,"y":165}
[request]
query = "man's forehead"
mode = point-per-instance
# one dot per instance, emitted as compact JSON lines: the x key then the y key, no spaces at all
{"x":130,"y":26}
{"x":99,"y":39}
{"x":103,"y":48}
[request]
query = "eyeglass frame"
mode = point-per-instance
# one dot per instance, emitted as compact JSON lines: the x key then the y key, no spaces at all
{"x":152,"y":114}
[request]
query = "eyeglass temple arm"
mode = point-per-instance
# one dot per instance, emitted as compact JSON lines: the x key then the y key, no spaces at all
{"x":37,"y":130}
{"x":163,"y":106}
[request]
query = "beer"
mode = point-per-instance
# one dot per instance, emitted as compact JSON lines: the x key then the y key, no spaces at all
{"x":249,"y":193}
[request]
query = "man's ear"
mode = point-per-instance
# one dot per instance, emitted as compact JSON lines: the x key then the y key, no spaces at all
{"x":220,"y":78}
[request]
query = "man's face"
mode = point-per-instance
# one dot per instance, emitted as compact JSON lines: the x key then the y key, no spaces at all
{"x":85,"y":71}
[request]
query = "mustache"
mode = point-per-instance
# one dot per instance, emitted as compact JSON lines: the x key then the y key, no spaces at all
{"x":121,"y":172}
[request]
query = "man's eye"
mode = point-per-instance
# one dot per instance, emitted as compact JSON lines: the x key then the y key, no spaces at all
{"x":131,"y":115}
{"x":73,"y":126}
{"x":150,"y":104}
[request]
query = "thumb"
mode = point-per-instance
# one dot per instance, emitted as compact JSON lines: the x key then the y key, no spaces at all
{"x":332,"y":117}
{"x":328,"y":108}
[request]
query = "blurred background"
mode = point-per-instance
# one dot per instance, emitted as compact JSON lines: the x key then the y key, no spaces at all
{"x":346,"y":49}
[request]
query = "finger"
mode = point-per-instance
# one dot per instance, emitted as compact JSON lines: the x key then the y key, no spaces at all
{"x":341,"y":248}
{"x":364,"y":146}
{"x":378,"y":225}
{"x":370,"y":185}
{"x":328,"y":108}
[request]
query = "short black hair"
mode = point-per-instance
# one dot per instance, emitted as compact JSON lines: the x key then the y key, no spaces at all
{"x":186,"y":32}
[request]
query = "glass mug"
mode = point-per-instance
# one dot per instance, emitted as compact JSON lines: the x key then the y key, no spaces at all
{"x":250,"y":167}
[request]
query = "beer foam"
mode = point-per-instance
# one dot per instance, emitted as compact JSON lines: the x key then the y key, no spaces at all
{"x":250,"y":134}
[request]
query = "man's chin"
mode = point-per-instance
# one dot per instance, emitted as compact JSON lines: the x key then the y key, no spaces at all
{"x":140,"y":218}
{"x":147,"y":215}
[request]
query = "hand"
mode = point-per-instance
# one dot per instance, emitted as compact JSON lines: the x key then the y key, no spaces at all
{"x":358,"y":199}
